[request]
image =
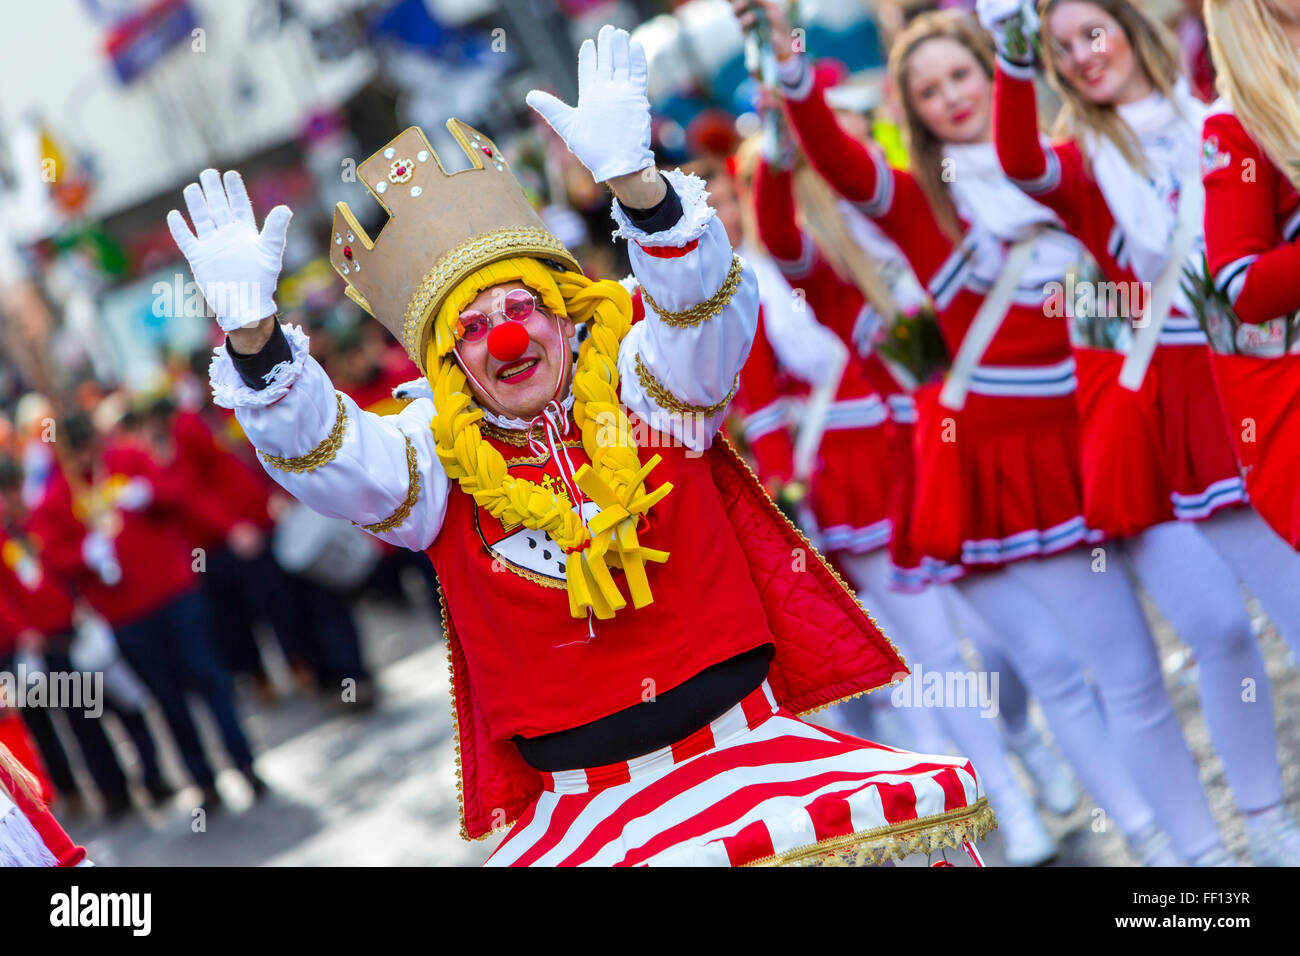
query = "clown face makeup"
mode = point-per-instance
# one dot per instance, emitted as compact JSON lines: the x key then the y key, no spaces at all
{"x":519,"y":366}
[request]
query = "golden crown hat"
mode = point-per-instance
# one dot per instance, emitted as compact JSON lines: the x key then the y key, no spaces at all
{"x":441,"y":228}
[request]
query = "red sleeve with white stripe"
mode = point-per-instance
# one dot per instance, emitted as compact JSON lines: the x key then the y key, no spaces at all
{"x":860,"y":174}
{"x":1249,"y":258}
{"x":835,"y":302}
{"x":1053,"y":177}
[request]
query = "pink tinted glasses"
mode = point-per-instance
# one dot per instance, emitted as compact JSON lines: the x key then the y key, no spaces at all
{"x":518,"y":306}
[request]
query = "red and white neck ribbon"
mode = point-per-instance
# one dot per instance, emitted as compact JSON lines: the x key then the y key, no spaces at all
{"x":556,"y":425}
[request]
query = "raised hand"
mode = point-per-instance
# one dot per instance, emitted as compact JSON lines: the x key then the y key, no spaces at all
{"x":236,"y":266}
{"x":752,"y":13}
{"x":609,"y":129}
{"x":1013,"y":24}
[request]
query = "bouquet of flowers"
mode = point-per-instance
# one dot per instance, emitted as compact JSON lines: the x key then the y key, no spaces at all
{"x":914,"y":343}
{"x":1228,"y":335}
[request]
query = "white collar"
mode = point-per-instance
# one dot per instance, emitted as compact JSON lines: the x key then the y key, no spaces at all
{"x":1157,"y":114}
{"x":518,"y":424}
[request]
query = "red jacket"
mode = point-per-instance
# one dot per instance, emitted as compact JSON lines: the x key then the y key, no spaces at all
{"x":1059,"y":179}
{"x":895,"y":200}
{"x":837,"y":303}
{"x":1252,"y":222}
{"x":155,"y":563}
{"x":731,"y":584}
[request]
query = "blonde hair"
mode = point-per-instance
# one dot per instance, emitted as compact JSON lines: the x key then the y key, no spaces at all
{"x":822,"y":214}
{"x":23,"y":780}
{"x":1157,"y":54}
{"x":926,"y":149}
{"x":1259,"y":75}
{"x":615,"y":479}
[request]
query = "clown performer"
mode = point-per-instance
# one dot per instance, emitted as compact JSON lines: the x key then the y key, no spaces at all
{"x":632,"y":625}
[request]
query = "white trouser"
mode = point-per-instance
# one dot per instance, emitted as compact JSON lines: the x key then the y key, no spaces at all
{"x":1096,"y":612}
{"x":1030,"y":632}
{"x":1199,"y":596}
{"x":1267,"y":565}
{"x":920,"y":625}
{"x":1013,"y":698}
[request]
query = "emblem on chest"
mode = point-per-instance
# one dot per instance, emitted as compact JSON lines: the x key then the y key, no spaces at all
{"x":524,"y":551}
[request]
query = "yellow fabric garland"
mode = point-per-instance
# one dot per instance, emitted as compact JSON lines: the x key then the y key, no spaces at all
{"x":615,"y":479}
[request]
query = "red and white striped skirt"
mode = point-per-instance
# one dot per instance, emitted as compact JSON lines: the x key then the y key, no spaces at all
{"x":756,"y":786}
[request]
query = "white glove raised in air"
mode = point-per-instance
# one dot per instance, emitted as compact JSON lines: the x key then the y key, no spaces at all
{"x":236,"y":267}
{"x":609,"y":129}
{"x":1013,"y":24}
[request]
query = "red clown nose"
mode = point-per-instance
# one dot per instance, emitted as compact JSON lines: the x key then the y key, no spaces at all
{"x":507,"y":341}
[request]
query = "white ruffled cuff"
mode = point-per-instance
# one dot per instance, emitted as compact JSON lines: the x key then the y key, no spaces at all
{"x":416,"y":388}
{"x":230,"y":391}
{"x":696,"y":214}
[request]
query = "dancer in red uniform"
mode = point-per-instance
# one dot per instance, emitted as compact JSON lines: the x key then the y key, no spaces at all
{"x":1155,"y":446}
{"x":1252,"y":220}
{"x":999,"y":485}
{"x":917,"y":618}
{"x":623,"y":688}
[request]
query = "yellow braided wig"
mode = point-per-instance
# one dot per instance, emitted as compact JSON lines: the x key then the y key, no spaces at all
{"x":615,"y":479}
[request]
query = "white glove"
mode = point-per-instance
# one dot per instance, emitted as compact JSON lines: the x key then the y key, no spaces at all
{"x":100,"y":555}
{"x":1013,"y":24}
{"x":236,"y":268}
{"x":135,"y":494}
{"x":609,"y":129}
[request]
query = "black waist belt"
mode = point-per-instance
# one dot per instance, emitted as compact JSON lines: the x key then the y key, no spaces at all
{"x":651,"y":725}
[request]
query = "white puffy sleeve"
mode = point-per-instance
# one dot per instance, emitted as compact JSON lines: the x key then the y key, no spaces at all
{"x":679,"y":368}
{"x":380,"y":472}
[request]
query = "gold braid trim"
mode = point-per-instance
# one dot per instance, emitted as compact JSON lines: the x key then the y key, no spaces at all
{"x":513,"y":436}
{"x":897,"y":840}
{"x":697,"y":314}
{"x":322,"y":454}
{"x":509,"y":436}
{"x":667,"y":400}
{"x":403,"y":510}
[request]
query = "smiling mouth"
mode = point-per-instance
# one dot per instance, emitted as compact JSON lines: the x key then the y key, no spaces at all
{"x":517,"y":371}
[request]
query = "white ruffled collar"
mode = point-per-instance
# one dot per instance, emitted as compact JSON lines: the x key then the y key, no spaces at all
{"x":518,"y":424}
